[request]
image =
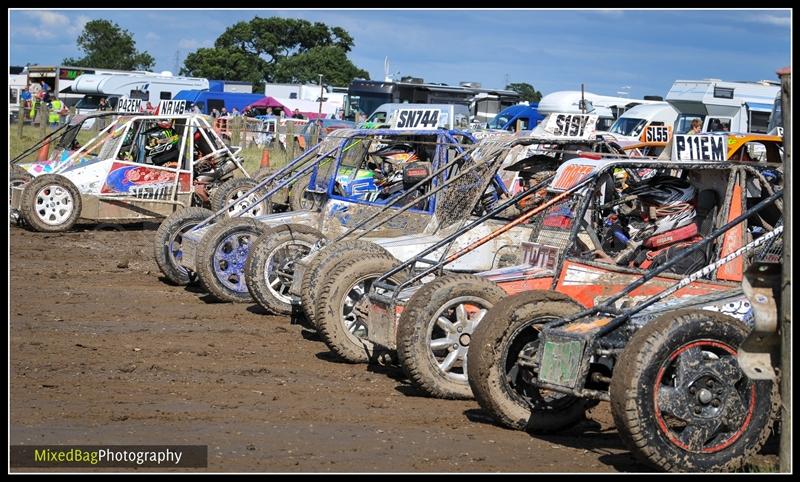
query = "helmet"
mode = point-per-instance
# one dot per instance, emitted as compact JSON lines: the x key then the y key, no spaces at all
{"x":164,"y":124}
{"x":669,"y":199}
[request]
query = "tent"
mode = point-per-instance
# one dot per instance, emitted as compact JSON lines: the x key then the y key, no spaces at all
{"x":308,"y":108}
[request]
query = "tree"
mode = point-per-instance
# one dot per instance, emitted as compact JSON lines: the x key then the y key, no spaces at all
{"x":108,"y":46}
{"x":331,"y":61}
{"x":224,"y":64}
{"x":526,"y":91}
{"x":277,"y":49}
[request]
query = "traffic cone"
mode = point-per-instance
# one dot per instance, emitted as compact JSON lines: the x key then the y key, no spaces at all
{"x":44,"y":151}
{"x":265,"y":158}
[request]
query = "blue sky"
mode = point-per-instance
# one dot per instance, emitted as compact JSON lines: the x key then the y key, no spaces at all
{"x":641,"y":52}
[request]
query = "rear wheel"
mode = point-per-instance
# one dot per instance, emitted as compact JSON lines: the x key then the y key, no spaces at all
{"x":299,"y":199}
{"x":221,"y":257}
{"x":499,"y":384}
{"x":435,"y":330}
{"x":270,"y":265}
{"x":168,"y":240}
{"x":50,"y":203}
{"x":232,"y":194}
{"x":342,"y":302}
{"x":679,"y":399}
{"x":324,"y":260}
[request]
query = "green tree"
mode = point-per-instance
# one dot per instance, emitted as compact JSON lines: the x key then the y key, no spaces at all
{"x":108,"y":46}
{"x":225,"y":64}
{"x":331,"y":61}
{"x":526,"y":91}
{"x":272,"y":45}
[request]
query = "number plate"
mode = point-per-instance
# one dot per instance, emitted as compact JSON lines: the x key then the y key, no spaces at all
{"x":561,"y":361}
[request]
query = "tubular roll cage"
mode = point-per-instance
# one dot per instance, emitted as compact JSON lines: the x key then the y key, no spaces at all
{"x":623,"y":315}
{"x":313,"y":159}
{"x":109,"y":131}
{"x":500,"y":147}
{"x":390,"y":292}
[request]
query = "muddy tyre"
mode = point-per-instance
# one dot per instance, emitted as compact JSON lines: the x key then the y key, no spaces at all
{"x":498,"y":384}
{"x":19,"y":177}
{"x":231,"y":193}
{"x":221,"y":257}
{"x":679,"y":399}
{"x":299,"y":199}
{"x":337,"y":321}
{"x":435,"y":330}
{"x":50,"y":203}
{"x":167,"y":243}
{"x":268,"y":270}
{"x":324,"y":260}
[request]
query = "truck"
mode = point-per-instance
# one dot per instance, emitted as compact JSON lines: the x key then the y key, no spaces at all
{"x":740,"y":106}
{"x":62,"y":78}
{"x":208,"y":100}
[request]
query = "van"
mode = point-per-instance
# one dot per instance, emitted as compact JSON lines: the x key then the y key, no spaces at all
{"x":516,"y":118}
{"x":633,"y":122}
{"x":723,"y":106}
{"x":605,"y":107}
{"x":452,"y":116}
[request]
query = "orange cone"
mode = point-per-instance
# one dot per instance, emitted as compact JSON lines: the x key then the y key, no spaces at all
{"x":44,"y":151}
{"x":265,"y":158}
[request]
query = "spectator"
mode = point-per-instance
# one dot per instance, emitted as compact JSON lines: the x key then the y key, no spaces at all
{"x":223,"y":112}
{"x":103,"y":104}
{"x":56,"y":106}
{"x":235,"y":112}
{"x":697,"y":126}
{"x":297,"y":114}
{"x":196,"y":109}
{"x":25,"y":99}
{"x":214,"y":113}
{"x":45,"y":86}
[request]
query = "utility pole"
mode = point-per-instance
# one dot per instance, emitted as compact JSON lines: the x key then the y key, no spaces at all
{"x":785,"y":326}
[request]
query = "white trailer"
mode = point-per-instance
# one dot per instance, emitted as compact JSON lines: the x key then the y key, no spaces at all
{"x":16,"y":82}
{"x":723,"y":106}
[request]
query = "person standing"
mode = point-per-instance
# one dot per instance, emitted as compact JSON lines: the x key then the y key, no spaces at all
{"x":102,"y":104}
{"x":54,"y":115}
{"x":297,"y":114}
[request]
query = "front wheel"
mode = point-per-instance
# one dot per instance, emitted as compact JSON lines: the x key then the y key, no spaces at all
{"x":168,"y":240}
{"x":221,"y":257}
{"x":500,"y":385}
{"x":50,"y":203}
{"x":435,"y":331}
{"x":270,"y":265}
{"x":343,"y":304}
{"x":679,"y":399}
{"x":231,"y":196}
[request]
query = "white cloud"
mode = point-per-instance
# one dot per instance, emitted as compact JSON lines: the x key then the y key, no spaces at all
{"x":48,"y":18}
{"x":193,"y":44}
{"x":152,"y":36}
{"x":770,"y":19}
{"x":31,"y":32}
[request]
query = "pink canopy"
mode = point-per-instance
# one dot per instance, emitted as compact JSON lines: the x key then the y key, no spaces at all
{"x":288,"y":110}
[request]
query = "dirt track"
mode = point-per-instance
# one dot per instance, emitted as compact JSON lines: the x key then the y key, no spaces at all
{"x":104,"y":352}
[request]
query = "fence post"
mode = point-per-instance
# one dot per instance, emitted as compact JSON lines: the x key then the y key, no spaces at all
{"x":290,"y":139}
{"x":44,"y":113}
{"x":23,"y":113}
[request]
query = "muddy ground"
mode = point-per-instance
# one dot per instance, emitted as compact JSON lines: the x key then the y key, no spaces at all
{"x":104,"y":352}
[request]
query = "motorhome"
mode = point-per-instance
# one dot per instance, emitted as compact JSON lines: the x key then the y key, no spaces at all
{"x":309,"y":92}
{"x":723,"y":106}
{"x":633,"y":122}
{"x":607,"y":108}
{"x":147,"y":86}
{"x":365,"y":96}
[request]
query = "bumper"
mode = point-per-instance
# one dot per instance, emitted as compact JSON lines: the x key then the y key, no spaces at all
{"x":190,"y":243}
